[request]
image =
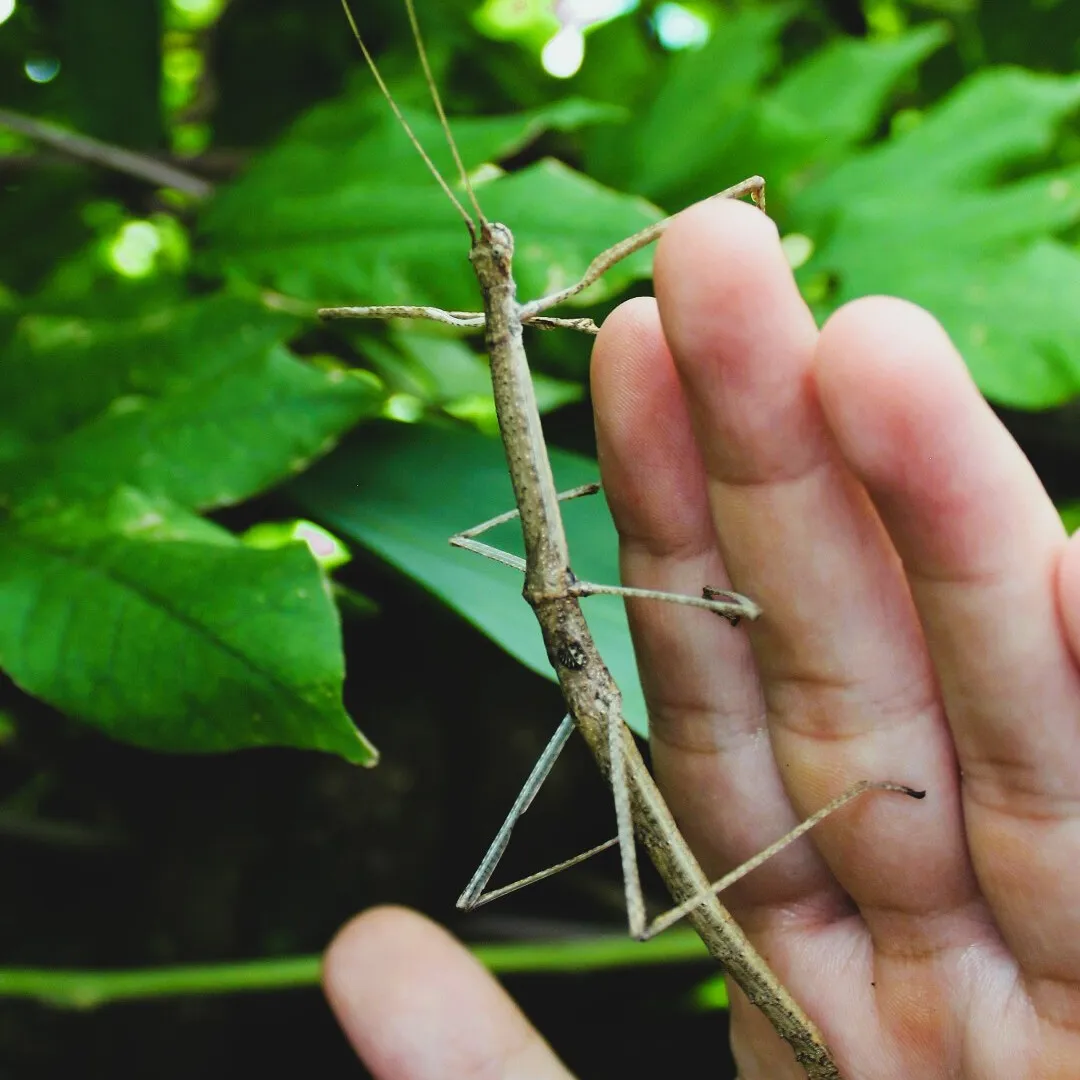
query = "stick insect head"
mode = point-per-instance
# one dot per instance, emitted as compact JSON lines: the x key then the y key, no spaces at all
{"x":493,"y":249}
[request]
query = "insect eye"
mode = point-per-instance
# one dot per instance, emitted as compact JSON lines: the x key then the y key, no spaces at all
{"x":503,"y":236}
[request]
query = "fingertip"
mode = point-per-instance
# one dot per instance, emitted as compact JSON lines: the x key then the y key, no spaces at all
{"x":652,"y":472}
{"x":735,"y":224}
{"x":888,"y":377}
{"x":375,"y":936}
{"x":625,"y":355}
{"x":416,"y":1005}
{"x":956,"y":493}
{"x":741,"y":336}
{"x":720,"y":255}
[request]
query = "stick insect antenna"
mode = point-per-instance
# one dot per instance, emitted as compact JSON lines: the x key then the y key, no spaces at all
{"x":370,"y":60}
{"x":436,"y":98}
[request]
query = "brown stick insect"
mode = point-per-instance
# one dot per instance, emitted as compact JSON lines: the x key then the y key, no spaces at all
{"x":593,"y":700}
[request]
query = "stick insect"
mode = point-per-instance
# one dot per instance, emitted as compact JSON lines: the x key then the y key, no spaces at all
{"x":551,"y":589}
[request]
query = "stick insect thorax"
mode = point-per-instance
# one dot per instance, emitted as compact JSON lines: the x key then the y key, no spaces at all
{"x":548,"y":574}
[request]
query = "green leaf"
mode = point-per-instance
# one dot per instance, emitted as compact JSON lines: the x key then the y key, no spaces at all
{"x":354,"y":144}
{"x":839,"y":92}
{"x":1016,"y":319}
{"x":395,"y":244}
{"x":164,"y":631}
{"x":46,"y":388}
{"x":343,"y":211}
{"x":1005,"y":291}
{"x":1070,"y":515}
{"x":712,"y":122}
{"x":994,"y":120}
{"x":199,"y":404}
{"x":436,"y":367}
{"x":826,"y":103}
{"x":689,"y":124}
{"x":402,"y":491}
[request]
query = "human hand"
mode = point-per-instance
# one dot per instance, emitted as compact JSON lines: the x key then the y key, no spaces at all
{"x":922,"y":625}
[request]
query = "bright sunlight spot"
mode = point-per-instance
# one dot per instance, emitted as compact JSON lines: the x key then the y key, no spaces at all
{"x":7,"y":9}
{"x":679,"y":28}
{"x":407,"y":408}
{"x":587,"y":12}
{"x":563,"y":54}
{"x":134,"y":248}
{"x":328,"y":550}
{"x":198,"y":13}
{"x":42,"y":69}
{"x":797,"y":247}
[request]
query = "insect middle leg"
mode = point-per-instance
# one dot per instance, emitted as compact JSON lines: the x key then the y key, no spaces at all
{"x":732,"y":606}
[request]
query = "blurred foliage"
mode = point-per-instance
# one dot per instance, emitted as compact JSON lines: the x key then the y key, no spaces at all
{"x":165,"y":385}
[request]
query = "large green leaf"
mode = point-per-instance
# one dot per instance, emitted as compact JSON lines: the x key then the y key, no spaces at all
{"x":166,"y":632}
{"x":822,"y":107}
{"x":402,"y":491}
{"x":200,"y":404}
{"x":839,"y":91}
{"x":396,"y":244}
{"x":922,"y":217}
{"x":116,"y":604}
{"x":996,"y":120}
{"x":343,"y":211}
{"x":697,"y":113}
{"x":714,"y":120}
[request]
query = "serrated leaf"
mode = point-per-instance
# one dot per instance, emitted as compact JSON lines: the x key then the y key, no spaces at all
{"x":367,"y":244}
{"x":60,"y":372}
{"x":839,"y":91}
{"x":825,"y":104}
{"x":698,"y":111}
{"x":921,"y":217}
{"x":353,"y":142}
{"x":199,"y":404}
{"x":131,"y":616}
{"x":995,"y":119}
{"x":402,"y":491}
{"x":344,"y":212}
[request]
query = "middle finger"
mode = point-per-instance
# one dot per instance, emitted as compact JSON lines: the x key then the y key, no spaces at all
{"x":849,"y":689}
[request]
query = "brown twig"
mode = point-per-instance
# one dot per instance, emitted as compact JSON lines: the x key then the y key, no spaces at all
{"x":142,"y":166}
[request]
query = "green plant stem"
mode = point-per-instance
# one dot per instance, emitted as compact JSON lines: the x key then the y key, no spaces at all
{"x":83,"y":989}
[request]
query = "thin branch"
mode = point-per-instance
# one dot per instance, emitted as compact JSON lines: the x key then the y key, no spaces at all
{"x":117,"y":158}
{"x":66,"y":988}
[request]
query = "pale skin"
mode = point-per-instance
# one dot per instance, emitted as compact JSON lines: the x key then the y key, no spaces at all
{"x":922,"y":622}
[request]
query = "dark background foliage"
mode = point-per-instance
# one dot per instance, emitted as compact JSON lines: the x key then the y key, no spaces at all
{"x":168,"y":402}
